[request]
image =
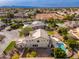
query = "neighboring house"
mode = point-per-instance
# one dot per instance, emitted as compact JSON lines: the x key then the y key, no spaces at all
{"x":61,"y":13}
{"x":19,"y":19}
{"x":2,"y":25}
{"x":72,"y":24}
{"x":9,"y":37}
{"x":61,"y":25}
{"x":45,"y":16}
{"x":3,"y":14}
{"x":35,"y":24}
{"x":27,"y":24}
{"x":20,"y":15}
{"x":38,"y":24}
{"x":38,"y":38}
{"x":74,"y":33}
{"x":77,"y":17}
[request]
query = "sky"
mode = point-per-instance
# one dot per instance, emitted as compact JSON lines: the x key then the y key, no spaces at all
{"x":40,"y":3}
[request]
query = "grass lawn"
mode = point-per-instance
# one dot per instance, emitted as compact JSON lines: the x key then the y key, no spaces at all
{"x":50,"y":32}
{"x":1,"y":18}
{"x":10,"y":47}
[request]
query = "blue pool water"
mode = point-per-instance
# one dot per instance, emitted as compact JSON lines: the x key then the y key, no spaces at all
{"x":61,"y":45}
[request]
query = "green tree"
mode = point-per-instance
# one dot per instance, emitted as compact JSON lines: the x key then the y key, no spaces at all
{"x":32,"y":54}
{"x":63,"y":31}
{"x":25,"y":31}
{"x":16,"y":25}
{"x":69,"y":17}
{"x":59,"y":53}
{"x":15,"y":56}
{"x":72,"y":43}
{"x":6,"y":21}
{"x":10,"y":15}
{"x":52,"y":22}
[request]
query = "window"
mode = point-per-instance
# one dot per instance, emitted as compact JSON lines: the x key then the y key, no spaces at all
{"x":38,"y":41}
{"x":35,"y":45}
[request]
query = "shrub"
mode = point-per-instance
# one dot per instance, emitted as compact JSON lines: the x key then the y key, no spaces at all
{"x":15,"y":56}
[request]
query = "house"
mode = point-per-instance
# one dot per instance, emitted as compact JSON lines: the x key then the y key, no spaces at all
{"x":38,"y":24}
{"x":74,"y":33}
{"x":48,"y":16}
{"x":61,"y":25}
{"x":7,"y":38}
{"x":27,"y":24}
{"x":2,"y":25}
{"x":20,"y":15}
{"x":38,"y":38}
{"x":3,"y":14}
{"x":35,"y":24}
{"x":71,"y":24}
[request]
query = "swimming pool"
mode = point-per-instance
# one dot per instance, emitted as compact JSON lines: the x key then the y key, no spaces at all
{"x":61,"y":45}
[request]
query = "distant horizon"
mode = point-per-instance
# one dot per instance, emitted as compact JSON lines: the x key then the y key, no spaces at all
{"x":40,"y":3}
{"x":35,"y":7}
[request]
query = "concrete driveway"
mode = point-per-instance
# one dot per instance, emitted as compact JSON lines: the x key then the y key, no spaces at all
{"x":43,"y":52}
